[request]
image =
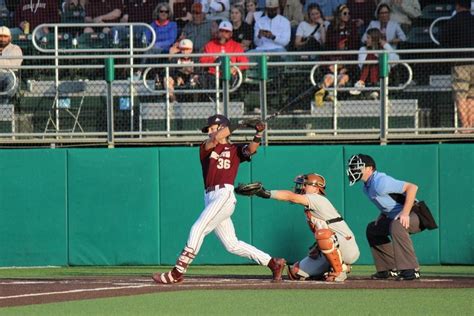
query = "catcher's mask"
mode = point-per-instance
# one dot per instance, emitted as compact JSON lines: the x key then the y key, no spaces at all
{"x":215,"y":119}
{"x":356,"y":165}
{"x":312,"y":179}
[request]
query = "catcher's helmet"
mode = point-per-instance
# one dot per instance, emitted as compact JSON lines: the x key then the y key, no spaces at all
{"x":218,"y":119}
{"x":356,"y":165}
{"x":313,"y":179}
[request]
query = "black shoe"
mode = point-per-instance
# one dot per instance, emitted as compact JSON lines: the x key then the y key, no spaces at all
{"x":408,"y":275}
{"x":384,"y":275}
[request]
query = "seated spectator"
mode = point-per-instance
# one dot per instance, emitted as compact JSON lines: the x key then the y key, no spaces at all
{"x":404,"y":12}
{"x":363,"y":12}
{"x":223,"y":44}
{"x":181,"y":12}
{"x":311,"y":35}
{"x":8,"y":49}
{"x":183,"y":76}
{"x":102,"y":11}
{"x":327,"y":7}
{"x":73,"y":11}
{"x":165,"y":29}
{"x":28,"y":15}
{"x":390,"y":29}
{"x":341,"y":35}
{"x":136,"y":11}
{"x":243,"y":33}
{"x":216,"y":9}
{"x":272,"y":31}
{"x":293,"y":11}
{"x":251,"y":8}
{"x":369,"y":74}
{"x":198,"y":30}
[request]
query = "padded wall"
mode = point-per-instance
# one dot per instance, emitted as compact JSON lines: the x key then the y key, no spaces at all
{"x":113,"y":206}
{"x":416,"y":164}
{"x":33,"y":208}
{"x":457,"y":204}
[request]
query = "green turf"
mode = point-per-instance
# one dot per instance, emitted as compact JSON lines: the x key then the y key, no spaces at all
{"x":52,"y":272}
{"x":269,"y":302}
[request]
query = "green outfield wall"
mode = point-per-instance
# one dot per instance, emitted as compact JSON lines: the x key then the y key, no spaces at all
{"x":136,"y":206}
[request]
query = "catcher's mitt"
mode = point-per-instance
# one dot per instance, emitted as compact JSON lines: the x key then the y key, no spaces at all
{"x":249,"y":189}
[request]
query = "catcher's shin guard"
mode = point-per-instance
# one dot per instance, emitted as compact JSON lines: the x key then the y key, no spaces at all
{"x":324,"y":237}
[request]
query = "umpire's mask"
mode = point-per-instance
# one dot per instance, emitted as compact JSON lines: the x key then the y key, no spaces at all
{"x":356,"y":165}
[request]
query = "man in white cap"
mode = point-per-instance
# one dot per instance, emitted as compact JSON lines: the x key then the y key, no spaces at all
{"x":8,"y":49}
{"x":272,"y":31}
{"x":222,"y":44}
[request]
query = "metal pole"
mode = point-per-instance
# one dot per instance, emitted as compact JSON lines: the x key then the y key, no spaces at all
{"x":263,"y":74}
{"x":132,"y":84}
{"x":383,"y":73}
{"x":334,"y":101}
{"x":227,"y":76}
{"x":109,"y":77}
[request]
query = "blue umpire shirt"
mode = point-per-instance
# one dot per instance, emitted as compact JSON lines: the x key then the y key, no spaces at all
{"x":378,"y":187}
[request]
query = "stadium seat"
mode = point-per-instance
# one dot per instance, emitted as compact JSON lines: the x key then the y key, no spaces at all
{"x":433,"y":11}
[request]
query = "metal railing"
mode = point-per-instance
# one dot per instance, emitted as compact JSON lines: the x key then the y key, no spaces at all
{"x":128,"y":110}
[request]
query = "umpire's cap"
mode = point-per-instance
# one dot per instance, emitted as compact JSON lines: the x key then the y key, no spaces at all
{"x":367,"y":160}
{"x":215,"y":119}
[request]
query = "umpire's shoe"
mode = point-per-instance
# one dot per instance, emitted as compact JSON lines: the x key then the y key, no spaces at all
{"x":277,"y":265}
{"x":384,"y":275}
{"x":408,"y":275}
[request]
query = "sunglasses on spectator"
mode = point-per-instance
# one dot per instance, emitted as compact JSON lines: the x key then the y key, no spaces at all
{"x":345,"y":13}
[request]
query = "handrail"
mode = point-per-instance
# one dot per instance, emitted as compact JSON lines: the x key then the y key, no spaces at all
{"x":83,"y":25}
{"x":432,"y":27}
{"x":15,"y":80}
{"x":399,"y":87}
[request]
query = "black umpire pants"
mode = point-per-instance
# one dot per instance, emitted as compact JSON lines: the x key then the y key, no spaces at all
{"x":397,"y":251}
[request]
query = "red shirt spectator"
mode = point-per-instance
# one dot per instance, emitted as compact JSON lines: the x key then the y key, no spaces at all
{"x":224,"y":44}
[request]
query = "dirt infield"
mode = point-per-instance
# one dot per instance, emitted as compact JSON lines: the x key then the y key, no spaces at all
{"x":17,"y":292}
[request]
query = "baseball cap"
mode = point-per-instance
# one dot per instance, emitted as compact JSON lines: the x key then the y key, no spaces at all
{"x":367,"y":160}
{"x":185,"y":43}
{"x":218,"y":119}
{"x":226,"y":25}
{"x":271,"y":4}
{"x":5,"y":31}
{"x":196,"y":7}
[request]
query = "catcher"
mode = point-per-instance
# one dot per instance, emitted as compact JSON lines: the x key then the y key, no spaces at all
{"x":335,"y":248}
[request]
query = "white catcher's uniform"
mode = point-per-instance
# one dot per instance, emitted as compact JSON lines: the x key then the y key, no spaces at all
{"x":320,"y":210}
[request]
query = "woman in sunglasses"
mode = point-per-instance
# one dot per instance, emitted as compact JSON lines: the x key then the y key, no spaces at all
{"x":165,"y":28}
{"x":342,"y":34}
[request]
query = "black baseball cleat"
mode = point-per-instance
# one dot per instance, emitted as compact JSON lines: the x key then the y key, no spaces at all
{"x":384,"y":275}
{"x":408,"y":275}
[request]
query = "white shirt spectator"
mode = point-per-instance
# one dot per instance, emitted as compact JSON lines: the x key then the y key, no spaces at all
{"x":391,"y":32}
{"x":216,"y":9}
{"x":280,"y":28}
{"x":305,"y":29}
{"x":363,"y":52}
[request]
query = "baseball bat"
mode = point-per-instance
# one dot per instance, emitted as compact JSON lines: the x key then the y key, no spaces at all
{"x":292,"y":102}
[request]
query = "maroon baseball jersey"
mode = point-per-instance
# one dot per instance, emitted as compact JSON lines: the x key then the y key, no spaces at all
{"x":221,"y":163}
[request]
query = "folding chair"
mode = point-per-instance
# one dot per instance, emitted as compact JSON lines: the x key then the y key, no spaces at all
{"x":66,"y":89}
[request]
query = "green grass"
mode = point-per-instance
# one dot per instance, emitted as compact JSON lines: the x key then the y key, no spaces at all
{"x":253,"y":302}
{"x":268,"y":302}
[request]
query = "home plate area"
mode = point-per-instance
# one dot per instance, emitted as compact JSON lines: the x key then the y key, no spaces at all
{"x":15,"y":292}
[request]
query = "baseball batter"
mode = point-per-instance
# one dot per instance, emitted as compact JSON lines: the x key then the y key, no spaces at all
{"x":220,"y":161}
{"x":335,"y":248}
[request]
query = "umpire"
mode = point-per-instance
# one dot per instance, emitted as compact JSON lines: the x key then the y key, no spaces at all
{"x":401,"y":215}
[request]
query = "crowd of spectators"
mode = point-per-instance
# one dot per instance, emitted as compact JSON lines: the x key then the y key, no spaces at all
{"x":253,"y":25}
